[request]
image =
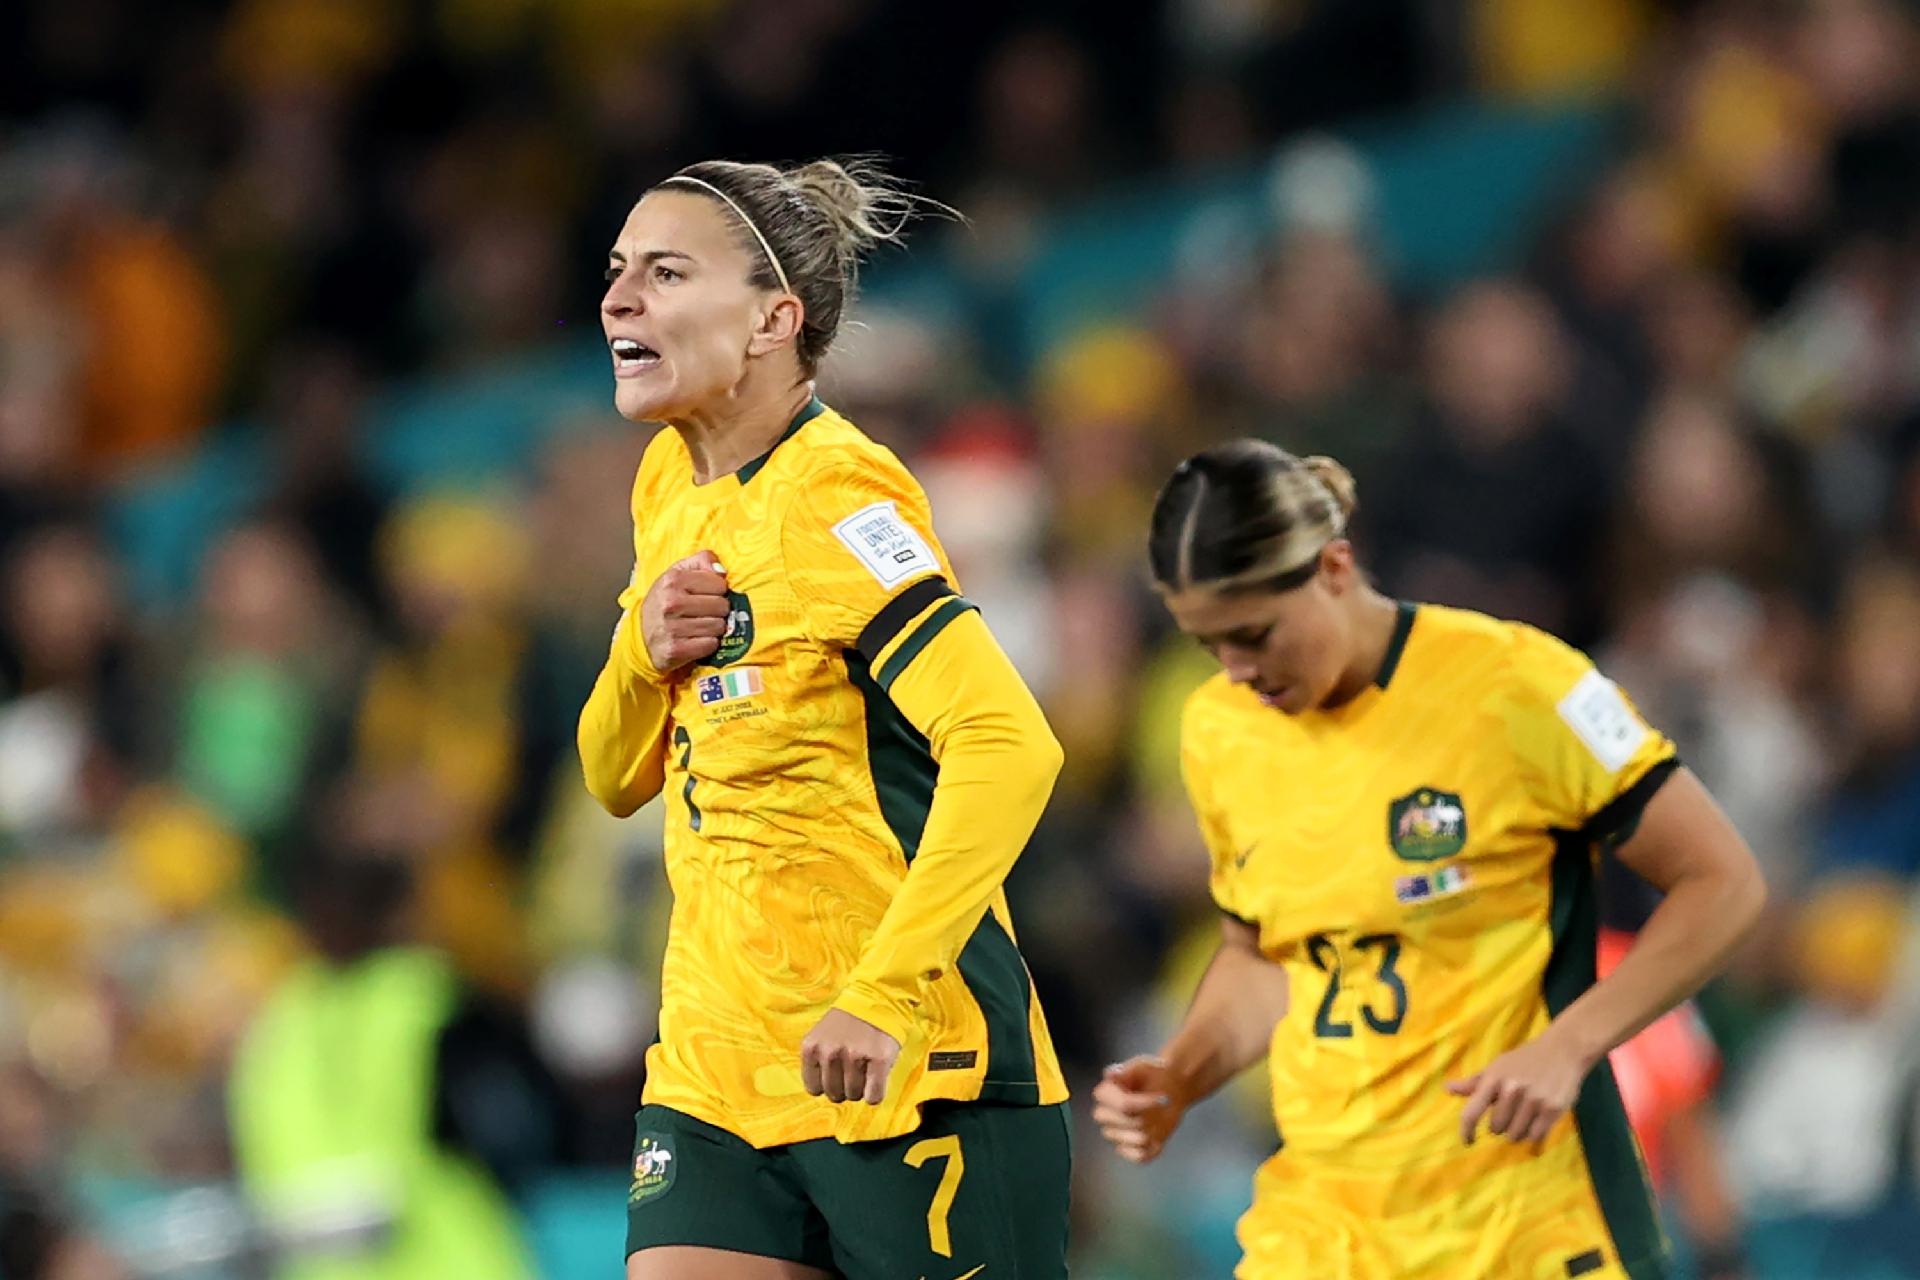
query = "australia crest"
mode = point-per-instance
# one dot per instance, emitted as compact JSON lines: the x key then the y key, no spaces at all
{"x":652,"y":1168}
{"x":738,"y":637}
{"x":1427,"y":824}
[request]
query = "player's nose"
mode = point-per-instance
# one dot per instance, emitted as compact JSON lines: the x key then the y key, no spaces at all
{"x":622,"y":297}
{"x":1240,"y":664}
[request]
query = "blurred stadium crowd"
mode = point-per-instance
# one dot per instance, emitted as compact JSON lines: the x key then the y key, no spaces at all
{"x":1680,"y":427}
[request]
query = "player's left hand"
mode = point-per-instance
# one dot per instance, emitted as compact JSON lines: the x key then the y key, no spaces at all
{"x":1523,"y":1092}
{"x":847,"y":1058}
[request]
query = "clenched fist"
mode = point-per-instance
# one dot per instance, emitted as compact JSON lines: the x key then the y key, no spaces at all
{"x":847,"y":1059}
{"x":685,"y":612}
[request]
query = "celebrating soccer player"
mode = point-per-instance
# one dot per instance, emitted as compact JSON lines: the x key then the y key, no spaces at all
{"x":853,"y":1076}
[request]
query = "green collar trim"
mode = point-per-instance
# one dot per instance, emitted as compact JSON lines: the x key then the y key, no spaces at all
{"x":1397,"y":644}
{"x":813,"y":410}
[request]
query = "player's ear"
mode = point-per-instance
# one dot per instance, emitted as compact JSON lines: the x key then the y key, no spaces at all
{"x":1338,"y":568}
{"x":778,"y":326}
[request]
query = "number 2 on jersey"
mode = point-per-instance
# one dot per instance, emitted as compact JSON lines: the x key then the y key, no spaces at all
{"x":1325,"y":954}
{"x":684,"y":740}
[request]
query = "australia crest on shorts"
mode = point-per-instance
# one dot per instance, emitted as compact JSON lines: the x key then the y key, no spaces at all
{"x":1427,"y":824}
{"x":652,"y":1167}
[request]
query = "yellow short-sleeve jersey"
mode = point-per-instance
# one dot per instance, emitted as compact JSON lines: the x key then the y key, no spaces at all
{"x":796,"y":793}
{"x":1420,"y":861}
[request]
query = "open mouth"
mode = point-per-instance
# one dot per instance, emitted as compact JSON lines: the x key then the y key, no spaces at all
{"x":631,"y":357}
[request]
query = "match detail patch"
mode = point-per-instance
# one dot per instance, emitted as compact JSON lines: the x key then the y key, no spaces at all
{"x":888,"y":546}
{"x":1599,"y":716}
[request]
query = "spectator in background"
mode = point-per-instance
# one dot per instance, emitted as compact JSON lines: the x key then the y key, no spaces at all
{"x":1859,"y":55}
{"x":1318,"y":353}
{"x":40,"y":1242}
{"x":1872,"y":822}
{"x":1704,"y":499}
{"x":316,"y":405}
{"x":580,"y":534}
{"x":1495,"y":503}
{"x":260,"y":701}
{"x":152,"y":344}
{"x":1528,"y":49}
{"x":981,"y":472}
{"x":1726,"y":668}
{"x":40,"y":353}
{"x":379,"y":1113}
{"x":491,"y":209}
{"x":68,"y":731}
{"x":1603,"y":274}
{"x":1697,"y":326}
{"x":437,"y":738}
{"x":1815,"y":1120}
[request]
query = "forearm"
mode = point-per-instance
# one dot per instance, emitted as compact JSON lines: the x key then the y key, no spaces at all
{"x":1684,"y":943}
{"x":622,"y":730}
{"x":997,"y":763}
{"x":1241,"y":999}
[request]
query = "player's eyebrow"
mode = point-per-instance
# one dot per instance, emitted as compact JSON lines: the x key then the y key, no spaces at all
{"x":651,"y":256}
{"x":1251,"y":633}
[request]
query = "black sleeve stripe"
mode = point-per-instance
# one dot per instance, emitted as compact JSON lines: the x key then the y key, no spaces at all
{"x":907,"y":650}
{"x":1620,"y":817}
{"x":896,"y":614}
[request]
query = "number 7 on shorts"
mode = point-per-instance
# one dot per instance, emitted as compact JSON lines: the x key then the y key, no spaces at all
{"x":947,"y":1147}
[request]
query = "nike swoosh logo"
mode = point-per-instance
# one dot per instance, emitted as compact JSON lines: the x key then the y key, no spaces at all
{"x":1239,"y":861}
{"x":976,"y":1271}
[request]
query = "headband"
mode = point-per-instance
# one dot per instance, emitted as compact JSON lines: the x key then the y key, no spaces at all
{"x":740,"y":213}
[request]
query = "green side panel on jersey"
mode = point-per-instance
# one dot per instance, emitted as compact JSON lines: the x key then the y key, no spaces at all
{"x":904,"y":774}
{"x":903,"y":767}
{"x":997,"y":976}
{"x":1613,"y":1160}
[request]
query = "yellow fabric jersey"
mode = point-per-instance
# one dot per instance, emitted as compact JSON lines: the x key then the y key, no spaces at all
{"x":797,"y":793}
{"x":1421,"y":862}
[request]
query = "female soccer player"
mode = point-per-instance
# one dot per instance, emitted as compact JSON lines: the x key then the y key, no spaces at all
{"x":853,"y":1076}
{"x":1403,"y":805}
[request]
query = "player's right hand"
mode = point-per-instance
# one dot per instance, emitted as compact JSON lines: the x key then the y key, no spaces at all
{"x":685,"y":612}
{"x":1137,"y":1106}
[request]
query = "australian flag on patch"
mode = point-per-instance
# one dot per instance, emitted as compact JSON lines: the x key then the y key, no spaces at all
{"x":1436,"y":884}
{"x":742,"y":683}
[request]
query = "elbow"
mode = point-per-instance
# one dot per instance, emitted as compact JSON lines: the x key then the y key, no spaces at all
{"x":1053,"y":756}
{"x":606,"y":780}
{"x":1048,"y":756}
{"x":612,"y":799}
{"x":605,"y":787}
{"x":1748,"y":897}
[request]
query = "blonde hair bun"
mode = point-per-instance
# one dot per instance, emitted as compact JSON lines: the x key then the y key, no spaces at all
{"x":1339,"y":482}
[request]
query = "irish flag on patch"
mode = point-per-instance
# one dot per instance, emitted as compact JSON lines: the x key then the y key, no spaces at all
{"x":729,"y":685}
{"x":1451,"y":878}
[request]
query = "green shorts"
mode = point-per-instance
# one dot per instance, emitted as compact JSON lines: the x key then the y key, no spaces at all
{"x":979,"y":1189}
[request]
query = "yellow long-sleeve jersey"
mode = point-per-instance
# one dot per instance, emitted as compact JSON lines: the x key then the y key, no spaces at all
{"x":1420,"y":861}
{"x":849,"y":778}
